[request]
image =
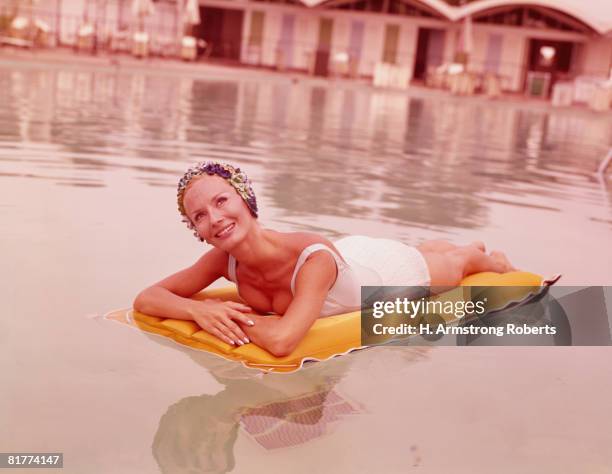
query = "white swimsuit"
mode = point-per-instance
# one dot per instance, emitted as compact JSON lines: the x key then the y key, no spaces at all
{"x":367,"y":262}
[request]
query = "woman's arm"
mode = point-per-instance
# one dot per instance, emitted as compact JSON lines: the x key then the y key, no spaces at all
{"x":170,"y":298}
{"x":281,"y":335}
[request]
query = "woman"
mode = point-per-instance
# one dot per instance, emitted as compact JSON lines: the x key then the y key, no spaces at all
{"x":301,"y":276}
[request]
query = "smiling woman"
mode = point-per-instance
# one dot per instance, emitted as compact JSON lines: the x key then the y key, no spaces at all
{"x":294,"y":278}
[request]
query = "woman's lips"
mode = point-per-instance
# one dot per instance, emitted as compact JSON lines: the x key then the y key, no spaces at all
{"x":226,"y":231}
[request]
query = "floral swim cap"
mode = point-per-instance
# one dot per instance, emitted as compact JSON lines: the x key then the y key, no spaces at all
{"x":238,"y":179}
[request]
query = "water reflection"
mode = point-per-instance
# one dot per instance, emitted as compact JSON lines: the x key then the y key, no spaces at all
{"x":198,"y":433}
{"x":433,"y":159}
{"x":349,"y":154}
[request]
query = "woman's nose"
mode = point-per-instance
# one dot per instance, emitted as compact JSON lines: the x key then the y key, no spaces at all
{"x":215,"y":215}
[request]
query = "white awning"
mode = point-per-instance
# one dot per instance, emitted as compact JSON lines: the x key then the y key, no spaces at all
{"x":597,"y":14}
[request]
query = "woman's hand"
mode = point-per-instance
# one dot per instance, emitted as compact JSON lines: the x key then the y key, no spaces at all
{"x":217,"y":317}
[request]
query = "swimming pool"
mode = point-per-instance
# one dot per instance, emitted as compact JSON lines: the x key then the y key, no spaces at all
{"x":88,"y":165}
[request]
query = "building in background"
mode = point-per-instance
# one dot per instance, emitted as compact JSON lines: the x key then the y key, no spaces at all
{"x":515,"y":40}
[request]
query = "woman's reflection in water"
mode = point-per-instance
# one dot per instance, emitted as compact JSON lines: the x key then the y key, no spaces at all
{"x":197,"y":434}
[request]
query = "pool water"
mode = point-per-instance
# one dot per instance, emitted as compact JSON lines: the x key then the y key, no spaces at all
{"x":89,"y":160}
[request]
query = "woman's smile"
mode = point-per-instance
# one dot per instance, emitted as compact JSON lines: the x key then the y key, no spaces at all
{"x":226,"y":231}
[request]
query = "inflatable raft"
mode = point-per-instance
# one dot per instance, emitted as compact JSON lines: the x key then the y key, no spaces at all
{"x":328,"y":337}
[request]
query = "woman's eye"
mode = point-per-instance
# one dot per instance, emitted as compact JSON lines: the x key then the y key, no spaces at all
{"x":221,"y":201}
{"x":199,"y":216}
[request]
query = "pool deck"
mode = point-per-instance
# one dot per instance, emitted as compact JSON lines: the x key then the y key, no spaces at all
{"x":67,"y":58}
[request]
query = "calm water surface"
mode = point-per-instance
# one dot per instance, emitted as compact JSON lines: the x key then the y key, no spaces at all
{"x":88,"y":166}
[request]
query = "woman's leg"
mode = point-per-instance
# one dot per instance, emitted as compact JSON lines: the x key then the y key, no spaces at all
{"x":443,"y":246}
{"x":449,"y":268}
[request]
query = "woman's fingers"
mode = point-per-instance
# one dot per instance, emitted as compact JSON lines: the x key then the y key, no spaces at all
{"x":228,"y":333}
{"x":219,"y":334}
{"x":239,"y":306}
{"x":244,"y":319}
{"x":237,"y":310}
{"x":221,"y":317}
{"x":237,"y":332}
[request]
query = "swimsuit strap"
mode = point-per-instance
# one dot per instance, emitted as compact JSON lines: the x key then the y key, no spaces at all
{"x":231,"y":269}
{"x":305,"y":254}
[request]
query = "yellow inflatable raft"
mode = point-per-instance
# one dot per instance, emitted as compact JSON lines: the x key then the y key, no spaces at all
{"x":328,"y":337}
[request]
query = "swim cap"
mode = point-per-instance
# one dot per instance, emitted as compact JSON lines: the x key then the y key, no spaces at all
{"x":238,"y":179}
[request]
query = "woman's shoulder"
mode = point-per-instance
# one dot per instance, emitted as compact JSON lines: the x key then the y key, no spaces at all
{"x":299,"y":241}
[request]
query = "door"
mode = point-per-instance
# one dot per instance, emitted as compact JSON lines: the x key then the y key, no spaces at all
{"x":494,"y":53}
{"x":547,"y":61}
{"x":284,"y":57}
{"x":323,"y":47}
{"x":355,"y":47}
{"x":255,"y":43}
{"x":390,"y":45}
{"x":222,"y":30}
{"x":430,"y":51}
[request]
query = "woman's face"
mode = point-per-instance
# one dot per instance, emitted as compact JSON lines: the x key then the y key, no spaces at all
{"x":217,"y":211}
